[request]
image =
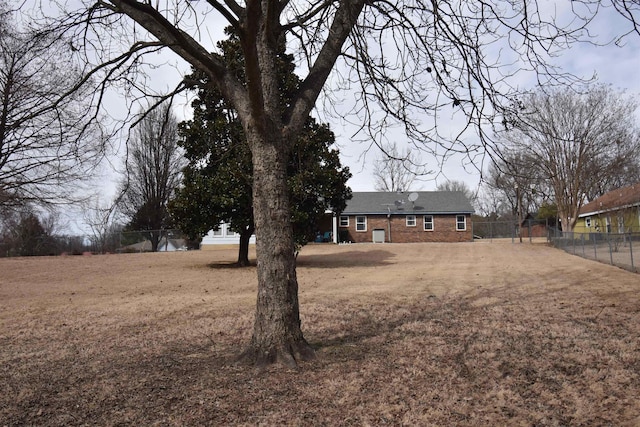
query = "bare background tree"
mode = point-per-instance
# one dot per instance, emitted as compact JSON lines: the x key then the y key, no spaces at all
{"x":153,"y":172}
{"x":408,"y":64}
{"x":101,"y":218}
{"x":491,"y":204}
{"x":49,"y":144}
{"x":25,"y":232}
{"x":397,"y":171}
{"x":511,"y":179}
{"x":455,"y":185}
{"x":577,"y":144}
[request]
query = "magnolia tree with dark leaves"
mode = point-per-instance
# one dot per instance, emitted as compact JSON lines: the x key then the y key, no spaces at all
{"x":400,"y":64}
{"x":217,"y":182}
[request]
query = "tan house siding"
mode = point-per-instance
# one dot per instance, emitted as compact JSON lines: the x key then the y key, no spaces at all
{"x":396,"y":229}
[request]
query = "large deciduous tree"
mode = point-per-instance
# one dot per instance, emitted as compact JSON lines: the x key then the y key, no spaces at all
{"x":153,"y":167}
{"x":573,"y":142}
{"x":402,"y":63}
{"x":48,"y":146}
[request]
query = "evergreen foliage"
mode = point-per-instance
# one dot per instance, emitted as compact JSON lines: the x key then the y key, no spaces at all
{"x":217,"y":182}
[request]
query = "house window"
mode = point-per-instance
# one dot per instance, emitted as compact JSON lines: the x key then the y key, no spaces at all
{"x":220,"y":231}
{"x":608,"y":224}
{"x":428,"y":223}
{"x":344,"y":221}
{"x":461,"y":223}
{"x":620,"y":224}
{"x":587,"y":222}
{"x":411,"y":220}
{"x":361,"y":223}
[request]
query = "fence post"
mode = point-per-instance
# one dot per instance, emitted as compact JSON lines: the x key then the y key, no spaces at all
{"x":610,"y":248}
{"x":595,"y":246}
{"x":631,"y":251}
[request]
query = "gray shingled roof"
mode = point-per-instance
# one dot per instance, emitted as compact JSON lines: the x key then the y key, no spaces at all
{"x":428,"y":202}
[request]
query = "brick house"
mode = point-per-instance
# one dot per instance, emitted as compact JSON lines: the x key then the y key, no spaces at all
{"x":421,"y":216}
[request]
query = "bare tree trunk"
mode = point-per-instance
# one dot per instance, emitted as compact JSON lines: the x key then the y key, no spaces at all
{"x":277,"y":336}
{"x":243,"y":250}
{"x":154,"y":238}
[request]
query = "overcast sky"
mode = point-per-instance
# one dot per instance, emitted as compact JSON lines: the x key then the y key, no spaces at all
{"x":618,"y":66}
{"x":611,"y":64}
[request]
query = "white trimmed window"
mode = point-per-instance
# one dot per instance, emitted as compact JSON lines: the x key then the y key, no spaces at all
{"x":587,"y":222}
{"x":411,"y":220}
{"x":428,"y":223}
{"x":220,"y":232}
{"x":461,"y":223}
{"x":344,"y":221}
{"x":361,"y":223}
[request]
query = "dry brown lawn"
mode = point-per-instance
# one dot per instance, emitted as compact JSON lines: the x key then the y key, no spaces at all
{"x":473,"y":334}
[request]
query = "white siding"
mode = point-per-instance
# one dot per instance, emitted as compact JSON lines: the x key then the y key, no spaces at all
{"x":223,"y":236}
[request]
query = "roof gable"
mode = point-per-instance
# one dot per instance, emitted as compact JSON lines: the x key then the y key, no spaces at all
{"x":427,"y":202}
{"x":613,"y":200}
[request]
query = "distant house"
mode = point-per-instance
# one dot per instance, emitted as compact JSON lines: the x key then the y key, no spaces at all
{"x":143,"y":246}
{"x":617,"y":211}
{"x":223,"y":236}
{"x":422,"y":216}
{"x":170,"y":245}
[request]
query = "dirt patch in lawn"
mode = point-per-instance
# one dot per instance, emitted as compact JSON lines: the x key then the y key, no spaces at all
{"x":416,"y":334}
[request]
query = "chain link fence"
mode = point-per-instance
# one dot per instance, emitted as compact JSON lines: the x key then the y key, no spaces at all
{"x":113,"y":242}
{"x":619,"y":249}
{"x":142,"y":241}
{"x":529,"y":230}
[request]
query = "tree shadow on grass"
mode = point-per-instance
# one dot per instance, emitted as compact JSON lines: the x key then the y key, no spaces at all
{"x":370,"y":323}
{"x":353,"y":258}
{"x":222,"y":265}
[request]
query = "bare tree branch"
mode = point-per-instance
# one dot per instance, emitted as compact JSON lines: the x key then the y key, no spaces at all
{"x":397,"y":171}
{"x":575,"y":142}
{"x":48,"y":142}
